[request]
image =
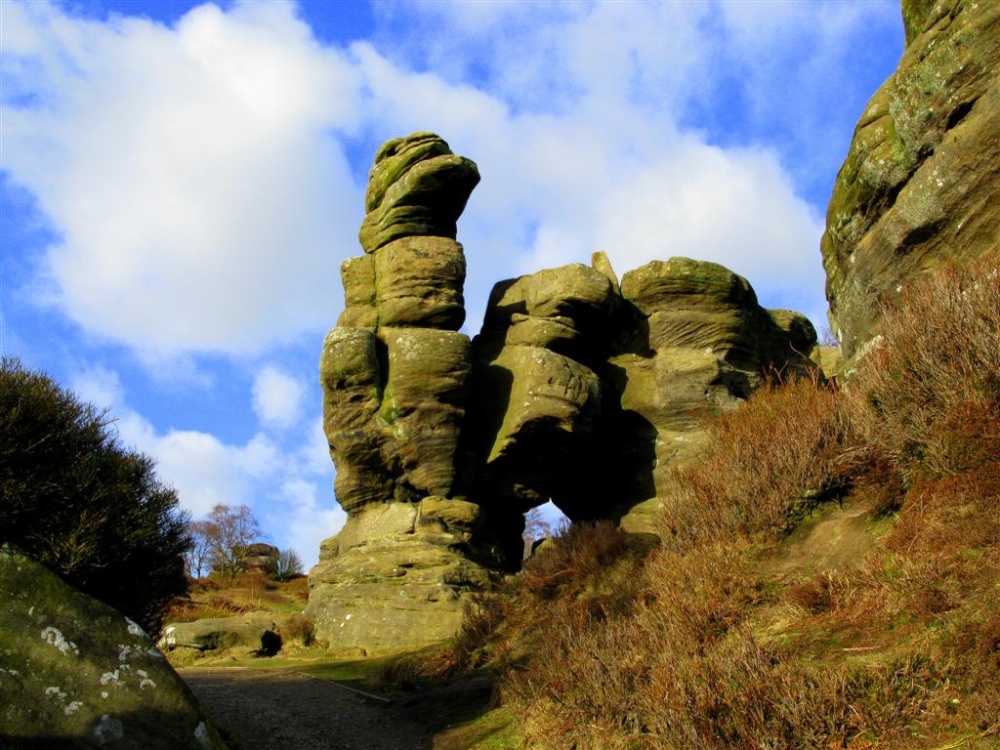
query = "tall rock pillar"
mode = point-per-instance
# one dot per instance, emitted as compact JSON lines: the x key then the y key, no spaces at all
{"x":396,"y":379}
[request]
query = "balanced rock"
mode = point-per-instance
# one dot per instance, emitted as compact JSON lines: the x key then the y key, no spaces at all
{"x":396,"y":378}
{"x":921,"y":182}
{"x":76,"y":673}
{"x":417,"y":187}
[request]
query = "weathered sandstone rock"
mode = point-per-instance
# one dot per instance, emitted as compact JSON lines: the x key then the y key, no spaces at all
{"x":395,"y":577}
{"x":578,"y":389}
{"x":75,"y":673}
{"x":396,"y":379}
{"x":253,"y":634}
{"x":417,"y":187}
{"x":700,"y":344}
{"x":921,"y":182}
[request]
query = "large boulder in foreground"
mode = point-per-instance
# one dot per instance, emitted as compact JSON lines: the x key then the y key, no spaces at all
{"x":75,"y":673}
{"x":921,"y":182}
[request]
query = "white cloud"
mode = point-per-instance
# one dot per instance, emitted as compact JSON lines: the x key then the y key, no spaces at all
{"x":100,"y":387}
{"x":304,"y":520}
{"x":277,"y":398}
{"x":281,"y":488}
{"x":198,"y":176}
{"x":190,"y":172}
{"x":204,"y":470}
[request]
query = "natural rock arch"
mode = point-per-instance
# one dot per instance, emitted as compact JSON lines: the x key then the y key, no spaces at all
{"x":578,"y":388}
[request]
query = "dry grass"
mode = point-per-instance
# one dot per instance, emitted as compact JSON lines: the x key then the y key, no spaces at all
{"x":208,"y":597}
{"x":705,"y":643}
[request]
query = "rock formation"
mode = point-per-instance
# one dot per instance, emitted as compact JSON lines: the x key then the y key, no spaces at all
{"x":396,"y":379}
{"x":921,"y":182}
{"x":240,"y":636}
{"x":587,"y":391}
{"x":578,"y":389}
{"x":76,"y":673}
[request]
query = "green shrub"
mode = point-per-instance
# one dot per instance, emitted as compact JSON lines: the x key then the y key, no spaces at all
{"x":81,"y":504}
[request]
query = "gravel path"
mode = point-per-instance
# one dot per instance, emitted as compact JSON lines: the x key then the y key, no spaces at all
{"x":268,"y":710}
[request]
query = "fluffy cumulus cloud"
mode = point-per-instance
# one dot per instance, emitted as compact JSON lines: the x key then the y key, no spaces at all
{"x":288,"y":492}
{"x":277,"y":398}
{"x":202,"y":181}
{"x":198,"y":176}
{"x":189,"y":173}
{"x":284,"y":476}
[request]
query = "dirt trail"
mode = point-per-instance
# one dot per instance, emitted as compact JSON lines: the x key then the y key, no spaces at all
{"x":271,"y":710}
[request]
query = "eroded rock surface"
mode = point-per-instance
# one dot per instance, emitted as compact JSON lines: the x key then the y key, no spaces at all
{"x":921,"y":182}
{"x":700,"y":344}
{"x":579,"y":389}
{"x":396,"y":381}
{"x":75,"y":673}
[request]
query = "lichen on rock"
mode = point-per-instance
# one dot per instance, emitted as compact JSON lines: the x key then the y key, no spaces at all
{"x":76,"y":673}
{"x":921,"y":181}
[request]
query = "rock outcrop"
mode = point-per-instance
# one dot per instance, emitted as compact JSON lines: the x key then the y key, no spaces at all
{"x":241,"y":635}
{"x":702,"y":344}
{"x":587,"y":392}
{"x":396,"y":381}
{"x":76,"y":673}
{"x":921,"y":183}
{"x":579,"y":389}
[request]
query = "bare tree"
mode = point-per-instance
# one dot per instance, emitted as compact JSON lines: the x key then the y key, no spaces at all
{"x":288,"y":565}
{"x":196,"y":559}
{"x":229,"y":532}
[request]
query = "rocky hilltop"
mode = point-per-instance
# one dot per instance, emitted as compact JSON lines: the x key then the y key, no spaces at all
{"x":921,"y":182}
{"x":579,"y":389}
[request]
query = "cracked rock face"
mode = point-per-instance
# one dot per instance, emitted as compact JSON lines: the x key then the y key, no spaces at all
{"x":921,"y":182}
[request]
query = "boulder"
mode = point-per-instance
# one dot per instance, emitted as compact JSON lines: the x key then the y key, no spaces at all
{"x":396,"y":577}
{"x":75,"y":673}
{"x":700,"y":343}
{"x":921,"y":182}
{"x":419,"y":282}
{"x":260,"y":556}
{"x":251,"y":634}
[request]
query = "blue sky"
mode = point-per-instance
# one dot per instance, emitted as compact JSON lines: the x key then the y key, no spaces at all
{"x":180,"y":182}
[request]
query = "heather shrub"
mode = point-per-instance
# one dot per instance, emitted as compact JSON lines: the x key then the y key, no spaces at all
{"x":926,"y":394}
{"x":81,"y":504}
{"x":297,"y":628}
{"x":764,"y":466}
{"x":591,"y":573}
{"x":717,"y":639}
